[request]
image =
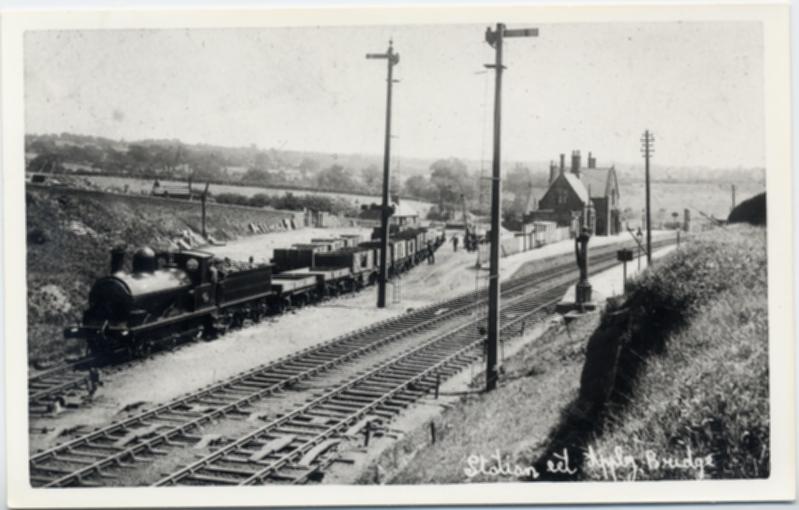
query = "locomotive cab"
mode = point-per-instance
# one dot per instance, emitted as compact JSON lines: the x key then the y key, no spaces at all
{"x":197,"y":265}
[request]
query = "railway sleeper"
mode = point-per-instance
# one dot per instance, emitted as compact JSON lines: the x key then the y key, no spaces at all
{"x":343,"y":407}
{"x":390,"y":404}
{"x":297,"y":431}
{"x":355,"y":398}
{"x":323,"y":414}
{"x":212,"y":403}
{"x":53,"y":469}
{"x":302,"y":364}
{"x":375,"y":394}
{"x":387,"y":380}
{"x":376,"y":411}
{"x":88,"y":455}
{"x":229,"y":470}
{"x":308,"y":424}
{"x":234,"y":391}
{"x":256,"y":385}
{"x":216,"y":480}
{"x":183,"y":415}
{"x":405,"y":372}
{"x":266,"y":377}
{"x":74,"y":460}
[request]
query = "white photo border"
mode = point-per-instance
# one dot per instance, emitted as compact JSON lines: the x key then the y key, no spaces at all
{"x":779,"y":486}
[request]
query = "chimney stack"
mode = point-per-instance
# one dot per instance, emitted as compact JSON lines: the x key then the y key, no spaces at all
{"x":553,"y":171}
{"x":562,"y":163}
{"x":591,"y":161}
{"x":576,"y":163}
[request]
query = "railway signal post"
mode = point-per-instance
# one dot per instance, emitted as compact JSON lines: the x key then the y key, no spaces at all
{"x":495,"y":39}
{"x":392,"y":59}
{"x":648,"y":141}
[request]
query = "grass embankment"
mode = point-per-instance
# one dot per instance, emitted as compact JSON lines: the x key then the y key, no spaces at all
{"x":70,"y":233}
{"x":680,"y":364}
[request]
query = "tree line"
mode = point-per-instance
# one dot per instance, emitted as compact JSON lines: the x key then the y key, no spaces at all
{"x":451,"y":185}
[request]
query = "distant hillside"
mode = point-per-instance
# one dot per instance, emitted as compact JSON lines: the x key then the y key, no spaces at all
{"x":358,"y":173}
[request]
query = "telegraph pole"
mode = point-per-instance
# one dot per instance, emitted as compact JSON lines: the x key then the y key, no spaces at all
{"x":495,"y":39}
{"x":204,"y":198}
{"x":648,"y":141}
{"x":392,"y":59}
{"x":733,"y":197}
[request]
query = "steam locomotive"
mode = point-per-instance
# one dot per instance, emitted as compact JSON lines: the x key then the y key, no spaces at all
{"x":174,"y":296}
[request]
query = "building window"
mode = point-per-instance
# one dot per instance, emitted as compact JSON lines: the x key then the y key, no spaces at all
{"x":563,"y":196}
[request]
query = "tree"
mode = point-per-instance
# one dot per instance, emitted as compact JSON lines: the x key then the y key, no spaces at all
{"x":519,"y":183}
{"x":372,"y":178}
{"x":308,"y":165}
{"x":418,"y":186}
{"x":335,"y":177}
{"x":262,"y":161}
{"x":451,"y":180}
{"x":257,"y":176}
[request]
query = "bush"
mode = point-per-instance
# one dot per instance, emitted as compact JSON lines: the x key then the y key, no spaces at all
{"x":289,"y":201}
{"x":752,"y":211}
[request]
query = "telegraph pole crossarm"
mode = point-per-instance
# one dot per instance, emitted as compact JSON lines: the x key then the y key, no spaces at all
{"x":495,"y":38}
{"x":392,"y":59}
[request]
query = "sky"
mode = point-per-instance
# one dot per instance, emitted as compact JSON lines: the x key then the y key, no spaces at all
{"x":592,"y":87}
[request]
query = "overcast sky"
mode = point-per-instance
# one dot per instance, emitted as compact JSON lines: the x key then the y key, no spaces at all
{"x":698,"y":86}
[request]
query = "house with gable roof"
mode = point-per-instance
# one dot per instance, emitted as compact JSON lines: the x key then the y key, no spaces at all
{"x":571,"y":191}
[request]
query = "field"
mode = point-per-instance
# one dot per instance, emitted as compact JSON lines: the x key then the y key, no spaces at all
{"x":135,"y":185}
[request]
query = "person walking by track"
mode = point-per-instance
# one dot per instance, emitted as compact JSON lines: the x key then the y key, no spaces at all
{"x":454,"y":243}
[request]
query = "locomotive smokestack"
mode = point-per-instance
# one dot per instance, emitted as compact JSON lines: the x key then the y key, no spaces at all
{"x":144,"y":260}
{"x":117,"y":259}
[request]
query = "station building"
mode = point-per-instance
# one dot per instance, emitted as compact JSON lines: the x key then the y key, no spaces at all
{"x":574,"y":190}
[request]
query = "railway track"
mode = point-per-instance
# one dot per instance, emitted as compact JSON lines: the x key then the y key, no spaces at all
{"x":80,"y":461}
{"x":294,"y":447}
{"x":47,"y":387}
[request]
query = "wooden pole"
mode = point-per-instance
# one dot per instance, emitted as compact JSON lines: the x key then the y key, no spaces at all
{"x":647,"y":140}
{"x":495,"y":39}
{"x":492,"y":369}
{"x":392,"y":60}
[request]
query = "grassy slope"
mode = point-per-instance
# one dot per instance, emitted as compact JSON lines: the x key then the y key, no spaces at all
{"x":61,"y":269}
{"x":705,"y":385}
{"x":708,"y":391}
